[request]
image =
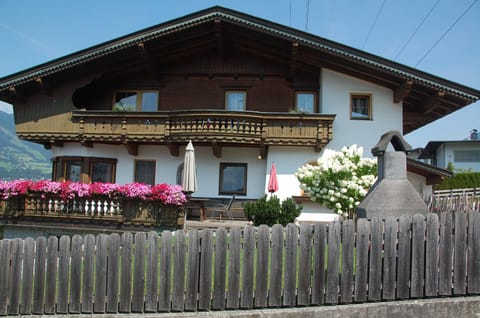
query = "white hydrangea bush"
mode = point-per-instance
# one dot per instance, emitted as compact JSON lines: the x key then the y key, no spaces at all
{"x":340,"y":180}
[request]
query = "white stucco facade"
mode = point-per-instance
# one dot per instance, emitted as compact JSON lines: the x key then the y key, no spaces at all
{"x":445,"y":153}
{"x":335,"y":90}
{"x":334,"y":93}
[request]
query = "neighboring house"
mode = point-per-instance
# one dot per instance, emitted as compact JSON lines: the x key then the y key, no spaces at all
{"x":246,"y":91}
{"x":462,"y":154}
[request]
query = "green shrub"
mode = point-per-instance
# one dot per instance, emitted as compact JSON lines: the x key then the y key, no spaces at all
{"x":460,"y":181}
{"x":270,"y":211}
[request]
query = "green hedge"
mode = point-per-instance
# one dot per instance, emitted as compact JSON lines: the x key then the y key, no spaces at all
{"x":271,"y":211}
{"x":460,"y":181}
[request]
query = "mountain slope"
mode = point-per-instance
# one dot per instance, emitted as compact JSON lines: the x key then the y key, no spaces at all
{"x":18,"y":158}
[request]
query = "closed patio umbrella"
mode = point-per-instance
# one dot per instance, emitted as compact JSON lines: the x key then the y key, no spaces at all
{"x":272,"y":181}
{"x":189,"y":179}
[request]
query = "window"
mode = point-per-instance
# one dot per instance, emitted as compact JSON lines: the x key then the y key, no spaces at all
{"x":466,"y":155}
{"x":102,"y":170}
{"x":145,"y":171}
{"x":361,"y":106}
{"x":235,"y":100}
{"x":84,"y":169}
{"x":179,"y":178}
{"x":72,"y":170}
{"x":305,"y":102}
{"x":142,"y":101}
{"x":233,"y":178}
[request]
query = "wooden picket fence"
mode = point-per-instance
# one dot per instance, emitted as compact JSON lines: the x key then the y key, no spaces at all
{"x":343,"y":262}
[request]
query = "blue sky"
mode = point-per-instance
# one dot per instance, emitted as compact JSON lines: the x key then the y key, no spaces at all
{"x":33,"y":32}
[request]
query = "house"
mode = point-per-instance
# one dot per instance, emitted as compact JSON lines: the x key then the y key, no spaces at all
{"x":247,"y":92}
{"x":462,"y":154}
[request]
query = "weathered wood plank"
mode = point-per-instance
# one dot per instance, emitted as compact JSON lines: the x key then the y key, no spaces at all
{"x":403,"y":260}
{"x":138,"y":297}
{"x":88,"y":274}
{"x":389,"y":258}
{"x":261,"y":290}
{"x":51,"y":282}
{"x":473,"y":265}
{"x":418,"y":256}
{"x":16,"y":250}
{"x":276,"y":267}
{"x":290,"y":278}
{"x":39,"y":277}
{"x":151,"y":289}
{"x":101,"y":253}
{"x":331,"y":291}
{"x":445,"y":254}
{"x":4,"y":275}
{"x":248,"y":269}
{"x":76,"y":275}
{"x":178,"y":294}
{"x":460,"y":259}
{"x":27,"y":276}
{"x":318,"y":280}
{"x":305,"y":265}
{"x":206,"y":248}
{"x":125,"y":304}
{"x":361,"y":275}
{"x":193,"y":271}
{"x":220,"y":269}
{"x":165,"y":271}
{"x":348,"y":241}
{"x":113,"y":273}
{"x":375,"y":270}
{"x":233,"y":291}
{"x":431,"y":256}
{"x":63,"y":274}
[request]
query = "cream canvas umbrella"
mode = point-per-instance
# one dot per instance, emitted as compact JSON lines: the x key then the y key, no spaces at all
{"x":189,"y":179}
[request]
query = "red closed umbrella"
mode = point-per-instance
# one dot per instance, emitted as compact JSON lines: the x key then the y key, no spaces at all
{"x":272,"y":181}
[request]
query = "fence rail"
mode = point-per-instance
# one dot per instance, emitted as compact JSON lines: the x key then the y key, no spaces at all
{"x":344,"y":262}
{"x":464,"y":200}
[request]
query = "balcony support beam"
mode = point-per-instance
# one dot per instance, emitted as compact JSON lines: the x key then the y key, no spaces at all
{"x":132,"y":148}
{"x":402,"y":91}
{"x":174,"y":149}
{"x":216,"y":149}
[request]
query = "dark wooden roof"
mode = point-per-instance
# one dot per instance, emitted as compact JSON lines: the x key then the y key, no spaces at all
{"x":425,"y":97}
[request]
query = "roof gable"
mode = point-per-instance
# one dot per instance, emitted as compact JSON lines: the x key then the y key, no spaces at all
{"x":425,"y":97}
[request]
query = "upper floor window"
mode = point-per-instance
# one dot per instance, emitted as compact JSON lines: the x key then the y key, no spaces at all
{"x":305,"y":102}
{"x":235,"y":100}
{"x":466,"y":155}
{"x":145,"y":171}
{"x":136,"y":100}
{"x":233,"y":178}
{"x":361,"y":106}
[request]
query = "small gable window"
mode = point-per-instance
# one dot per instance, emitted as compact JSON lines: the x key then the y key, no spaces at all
{"x":361,"y":106}
{"x":235,"y":100}
{"x":135,"y":100}
{"x":305,"y":102}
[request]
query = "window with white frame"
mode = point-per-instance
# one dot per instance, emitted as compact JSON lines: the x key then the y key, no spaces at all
{"x":235,"y":100}
{"x":305,"y":102}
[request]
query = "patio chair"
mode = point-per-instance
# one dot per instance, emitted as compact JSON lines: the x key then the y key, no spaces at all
{"x":224,"y":209}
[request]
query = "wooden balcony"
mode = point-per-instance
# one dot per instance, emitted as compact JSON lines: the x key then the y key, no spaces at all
{"x":215,"y":128}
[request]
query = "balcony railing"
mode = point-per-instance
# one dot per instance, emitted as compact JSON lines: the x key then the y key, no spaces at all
{"x":100,"y":209}
{"x":249,"y":128}
{"x":173,"y":128}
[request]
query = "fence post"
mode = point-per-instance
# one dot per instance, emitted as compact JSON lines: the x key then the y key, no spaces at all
{"x":431,"y":253}
{"x":363,"y":246}
{"x":334,"y":232}
{"x":219,"y":278}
